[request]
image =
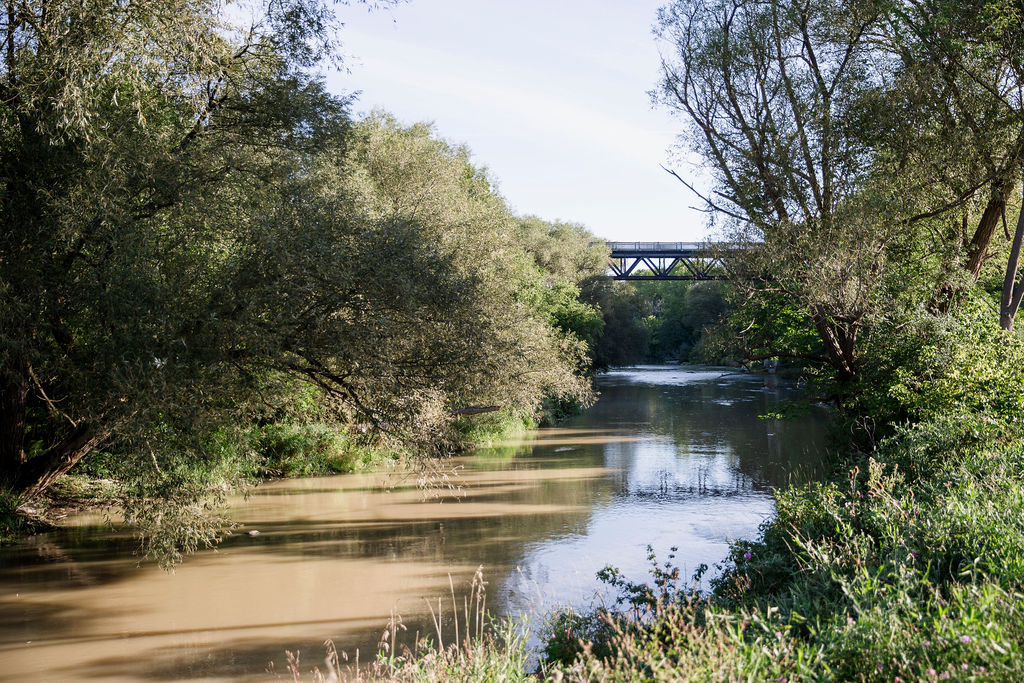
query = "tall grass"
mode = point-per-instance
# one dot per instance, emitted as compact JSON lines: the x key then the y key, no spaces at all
{"x":469,"y":647}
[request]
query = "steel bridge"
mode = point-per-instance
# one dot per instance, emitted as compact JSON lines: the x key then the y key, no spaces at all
{"x":667,"y":261}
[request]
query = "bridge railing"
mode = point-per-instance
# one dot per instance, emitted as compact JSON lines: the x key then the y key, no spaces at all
{"x":654,"y":247}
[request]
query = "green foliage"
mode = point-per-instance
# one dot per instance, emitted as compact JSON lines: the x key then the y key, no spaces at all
{"x":560,"y":304}
{"x":682,"y":313}
{"x":568,"y":635}
{"x":302,"y":450}
{"x":765,"y":325}
{"x":907,"y":566}
{"x":936,"y":369}
{"x":499,"y":655}
{"x":13,"y":524}
{"x":625,"y":338}
{"x":564,"y":251}
{"x":482,"y":430}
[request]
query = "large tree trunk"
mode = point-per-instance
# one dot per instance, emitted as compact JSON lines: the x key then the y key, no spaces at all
{"x":1013,"y":290}
{"x":32,"y":477}
{"x":42,"y":471}
{"x":840,"y":343}
{"x":13,"y":401}
{"x":977,"y":249}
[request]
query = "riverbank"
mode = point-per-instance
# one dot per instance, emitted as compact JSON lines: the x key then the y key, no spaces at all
{"x":677,"y":452}
{"x":907,"y":564}
{"x":264,"y":453}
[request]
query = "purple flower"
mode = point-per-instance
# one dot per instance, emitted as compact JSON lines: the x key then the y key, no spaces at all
{"x":965,"y":639}
{"x":932,"y":673}
{"x":747,"y":556}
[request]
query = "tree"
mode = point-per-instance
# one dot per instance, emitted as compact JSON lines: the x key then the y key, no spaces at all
{"x":564,"y":251}
{"x":777,"y":96}
{"x":115,"y":117}
{"x":567,"y":257}
{"x":624,"y":339}
{"x":959,"y":81}
{"x":501,"y":343}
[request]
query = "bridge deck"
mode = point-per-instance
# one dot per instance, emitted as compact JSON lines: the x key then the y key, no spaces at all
{"x":655,"y":248}
{"x":665,"y":261}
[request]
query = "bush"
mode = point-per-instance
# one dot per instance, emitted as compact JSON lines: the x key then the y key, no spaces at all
{"x":13,"y":524}
{"x":298,"y":450}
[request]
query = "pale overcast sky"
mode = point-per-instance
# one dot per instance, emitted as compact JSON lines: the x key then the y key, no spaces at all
{"x":550,"y":96}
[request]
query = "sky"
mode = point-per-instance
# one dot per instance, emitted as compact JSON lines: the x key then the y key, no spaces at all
{"x":550,"y":96}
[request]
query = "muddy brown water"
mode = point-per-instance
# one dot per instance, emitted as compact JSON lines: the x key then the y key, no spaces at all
{"x":669,"y":456}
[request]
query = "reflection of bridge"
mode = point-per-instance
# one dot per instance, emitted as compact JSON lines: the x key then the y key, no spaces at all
{"x":666,"y":261}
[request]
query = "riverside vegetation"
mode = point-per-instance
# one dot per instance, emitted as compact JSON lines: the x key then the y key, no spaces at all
{"x":211,"y":272}
{"x":870,"y":153}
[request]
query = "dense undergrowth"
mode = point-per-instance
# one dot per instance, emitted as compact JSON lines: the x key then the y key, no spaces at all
{"x":906,"y":565}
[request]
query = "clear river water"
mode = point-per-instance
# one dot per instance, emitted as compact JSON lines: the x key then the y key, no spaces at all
{"x":669,"y":456}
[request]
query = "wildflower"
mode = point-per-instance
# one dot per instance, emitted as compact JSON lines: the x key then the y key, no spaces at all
{"x":747,"y":556}
{"x":944,"y":675}
{"x":932,"y":673}
{"x":965,"y":639}
{"x":850,"y":621}
{"x":927,"y":643}
{"x":964,"y":666}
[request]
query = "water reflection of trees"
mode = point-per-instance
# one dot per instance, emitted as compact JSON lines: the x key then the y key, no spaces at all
{"x":720,"y":416}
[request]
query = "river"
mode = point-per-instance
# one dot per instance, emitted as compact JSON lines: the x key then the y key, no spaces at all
{"x":669,"y":456}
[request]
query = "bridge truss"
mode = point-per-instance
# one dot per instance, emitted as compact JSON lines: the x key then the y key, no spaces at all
{"x":665,"y":261}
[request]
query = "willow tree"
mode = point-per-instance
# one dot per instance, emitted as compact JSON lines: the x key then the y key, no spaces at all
{"x":434,"y":273}
{"x":776,"y":100}
{"x":192,"y":236}
{"x":113,"y":117}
